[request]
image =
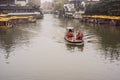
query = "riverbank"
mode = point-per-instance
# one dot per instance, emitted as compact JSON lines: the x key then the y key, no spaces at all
{"x":101,"y":19}
{"x":13,"y":20}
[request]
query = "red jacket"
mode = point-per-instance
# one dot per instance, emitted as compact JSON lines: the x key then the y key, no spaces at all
{"x":79,"y":36}
{"x":69,"y":34}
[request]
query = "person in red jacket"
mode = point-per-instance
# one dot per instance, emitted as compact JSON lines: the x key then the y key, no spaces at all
{"x":79,"y":36}
{"x":69,"y":34}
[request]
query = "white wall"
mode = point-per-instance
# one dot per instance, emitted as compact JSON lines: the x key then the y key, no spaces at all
{"x":22,"y":2}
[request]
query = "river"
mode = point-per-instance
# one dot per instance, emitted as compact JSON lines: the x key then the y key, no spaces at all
{"x":37,"y":51}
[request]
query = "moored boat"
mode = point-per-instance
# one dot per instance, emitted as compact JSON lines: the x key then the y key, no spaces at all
{"x":5,"y":23}
{"x":23,"y":19}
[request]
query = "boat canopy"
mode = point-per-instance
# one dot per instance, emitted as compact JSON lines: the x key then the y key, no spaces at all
{"x":4,"y":19}
{"x":70,"y":28}
{"x":3,"y":15}
{"x":21,"y":17}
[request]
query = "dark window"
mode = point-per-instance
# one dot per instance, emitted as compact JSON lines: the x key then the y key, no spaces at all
{"x":7,"y":1}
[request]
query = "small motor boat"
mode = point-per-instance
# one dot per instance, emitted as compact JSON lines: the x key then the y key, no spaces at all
{"x":72,"y":38}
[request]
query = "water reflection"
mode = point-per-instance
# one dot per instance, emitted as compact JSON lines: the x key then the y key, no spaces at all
{"x":6,"y":42}
{"x":109,"y":40}
{"x":16,"y":37}
{"x":73,"y":48}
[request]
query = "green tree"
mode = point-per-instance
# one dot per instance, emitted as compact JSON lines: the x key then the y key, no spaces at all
{"x":104,"y":7}
{"x":57,"y":6}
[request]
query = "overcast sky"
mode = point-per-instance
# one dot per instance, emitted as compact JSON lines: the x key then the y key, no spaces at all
{"x":45,"y":0}
{"x":51,"y":0}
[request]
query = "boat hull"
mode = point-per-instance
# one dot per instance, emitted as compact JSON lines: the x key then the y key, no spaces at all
{"x":76,"y":42}
{"x":6,"y":27}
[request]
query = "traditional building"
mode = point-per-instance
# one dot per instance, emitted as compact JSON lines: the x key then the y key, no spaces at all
{"x":7,"y":2}
{"x":13,"y":2}
{"x":80,"y":4}
{"x":21,"y":2}
{"x":16,"y":6}
{"x":77,"y":4}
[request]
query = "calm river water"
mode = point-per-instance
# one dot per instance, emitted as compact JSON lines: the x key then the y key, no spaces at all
{"x":37,"y":51}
